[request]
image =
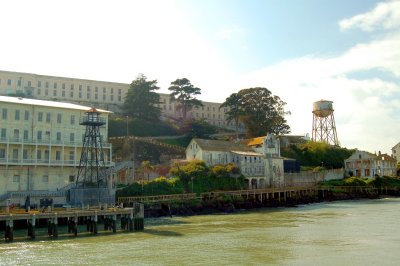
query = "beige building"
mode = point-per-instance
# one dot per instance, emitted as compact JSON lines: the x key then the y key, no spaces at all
{"x":258,"y":159}
{"x":40,"y":147}
{"x":366,"y":164}
{"x":396,"y":152}
{"x":99,"y":94}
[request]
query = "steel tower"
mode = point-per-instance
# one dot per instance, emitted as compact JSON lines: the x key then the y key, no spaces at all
{"x":324,"y":128}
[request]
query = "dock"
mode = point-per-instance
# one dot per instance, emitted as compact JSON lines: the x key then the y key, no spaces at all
{"x":131,"y":219}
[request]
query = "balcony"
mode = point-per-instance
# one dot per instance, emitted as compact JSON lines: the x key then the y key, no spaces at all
{"x":44,"y":162}
{"x":47,"y":142}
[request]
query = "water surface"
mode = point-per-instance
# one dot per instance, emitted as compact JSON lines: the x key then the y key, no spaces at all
{"x":365,"y":232}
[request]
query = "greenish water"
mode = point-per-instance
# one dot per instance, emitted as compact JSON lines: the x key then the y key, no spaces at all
{"x":365,"y":232}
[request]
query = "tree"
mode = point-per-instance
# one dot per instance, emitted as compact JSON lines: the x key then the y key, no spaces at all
{"x":147,"y":168}
{"x":183,"y":92}
{"x":141,"y":100}
{"x":259,"y":110}
{"x":234,"y":109}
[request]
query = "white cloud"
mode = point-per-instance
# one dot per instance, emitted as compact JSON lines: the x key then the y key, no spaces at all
{"x":364,"y":108}
{"x":385,"y":15}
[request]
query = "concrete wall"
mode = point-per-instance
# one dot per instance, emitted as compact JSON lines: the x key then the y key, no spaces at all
{"x":309,"y":179}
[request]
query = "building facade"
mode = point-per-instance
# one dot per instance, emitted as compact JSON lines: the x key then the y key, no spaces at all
{"x":366,"y":164}
{"x":40,"y":146}
{"x":396,"y":152}
{"x":98,"y":94}
{"x":258,"y":159}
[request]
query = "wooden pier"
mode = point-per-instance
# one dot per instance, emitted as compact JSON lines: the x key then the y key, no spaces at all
{"x":262,"y":195}
{"x":132,"y":219}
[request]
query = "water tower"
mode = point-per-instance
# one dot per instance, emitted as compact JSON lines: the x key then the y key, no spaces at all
{"x":324,"y":128}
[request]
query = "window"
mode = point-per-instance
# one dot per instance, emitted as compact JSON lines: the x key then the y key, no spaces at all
{"x":119,"y":91}
{"x":45,"y":179}
{"x":3,"y":133}
{"x":19,"y":82}
{"x":71,"y":155}
{"x":46,"y":154}
{"x":25,"y":154}
{"x":72,"y":87}
{"x":15,"y":154}
{"x":46,"y":92}
{"x":58,"y":136}
{"x":2,"y":153}
{"x":59,"y":118}
{"x":40,"y":116}
{"x":54,"y":93}
{"x":119,"y":98}
{"x":63,"y":93}
{"x":71,"y":94}
{"x":16,"y":178}
{"x":58,"y":155}
{"x":80,"y":95}
{"x":80,"y":87}
{"x":16,"y":133}
{"x":88,"y":95}
{"x":48,"y":117}
{"x":104,"y":90}
{"x":96,"y":96}
{"x":47,"y":84}
{"x":55,"y":85}
{"x":72,"y":120}
{"x":88,"y":88}
{"x":39,"y":84}
{"x":96,"y":89}
{"x":112,"y":90}
{"x":17,"y":112}
{"x":29,"y":84}
{"x":72,"y":137}
{"x":63,"y":86}
{"x":39,"y":91}
{"x":26,"y":134}
{"x":111,"y":97}
{"x":39,"y":155}
{"x":9,"y":82}
{"x":47,"y":135}
{"x":104,"y":97}
{"x":4,"y":114}
{"x":71,"y":178}
{"x":26,"y":116}
{"x":39,"y":135}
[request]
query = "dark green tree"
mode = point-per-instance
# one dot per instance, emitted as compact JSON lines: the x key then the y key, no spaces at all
{"x":234,"y":111}
{"x":141,"y":100}
{"x":259,"y":110}
{"x":184,"y":93}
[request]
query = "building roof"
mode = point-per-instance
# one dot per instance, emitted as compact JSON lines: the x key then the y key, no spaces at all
{"x":387,"y":157}
{"x":256,"y":141}
{"x":248,"y":153}
{"x":220,"y":145}
{"x":27,"y":101}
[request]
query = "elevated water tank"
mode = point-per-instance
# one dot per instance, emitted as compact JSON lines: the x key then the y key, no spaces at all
{"x":322,"y":108}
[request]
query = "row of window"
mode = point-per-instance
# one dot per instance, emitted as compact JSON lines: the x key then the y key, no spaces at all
{"x":40,"y":135}
{"x":41,"y":116}
{"x":45,"y":178}
{"x":259,"y":170}
{"x":80,"y":95}
{"x":55,"y":86}
{"x":40,"y":155}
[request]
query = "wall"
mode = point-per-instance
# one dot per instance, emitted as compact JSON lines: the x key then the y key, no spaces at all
{"x":309,"y":179}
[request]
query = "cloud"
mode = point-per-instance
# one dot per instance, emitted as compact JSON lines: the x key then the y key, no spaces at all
{"x":366,"y":109}
{"x":385,"y":15}
{"x":229,"y":33}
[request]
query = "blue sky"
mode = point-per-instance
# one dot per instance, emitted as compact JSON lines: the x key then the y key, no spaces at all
{"x":303,"y":51}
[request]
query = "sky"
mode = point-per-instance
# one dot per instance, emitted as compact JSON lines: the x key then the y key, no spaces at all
{"x":346,"y":51}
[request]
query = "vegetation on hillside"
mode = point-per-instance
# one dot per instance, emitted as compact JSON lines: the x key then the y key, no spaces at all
{"x":194,"y":176}
{"x":118,"y":126}
{"x":315,"y":154}
{"x":377,"y":182}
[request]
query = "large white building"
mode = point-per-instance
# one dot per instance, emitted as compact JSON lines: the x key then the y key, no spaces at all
{"x":258,"y":159}
{"x":40,"y":147}
{"x":366,"y":164}
{"x":98,"y":94}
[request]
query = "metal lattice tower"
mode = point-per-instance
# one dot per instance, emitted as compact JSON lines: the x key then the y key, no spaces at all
{"x":92,"y":172}
{"x":324,"y":128}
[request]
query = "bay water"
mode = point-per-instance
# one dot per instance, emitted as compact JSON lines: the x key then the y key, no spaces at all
{"x":362,"y":232}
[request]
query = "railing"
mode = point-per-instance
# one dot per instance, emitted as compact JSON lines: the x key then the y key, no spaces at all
{"x":158,"y":198}
{"x":4,"y":161}
{"x":32,"y":193}
{"x":45,"y":141}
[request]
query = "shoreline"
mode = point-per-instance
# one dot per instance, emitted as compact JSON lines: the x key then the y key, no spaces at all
{"x":226,"y":204}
